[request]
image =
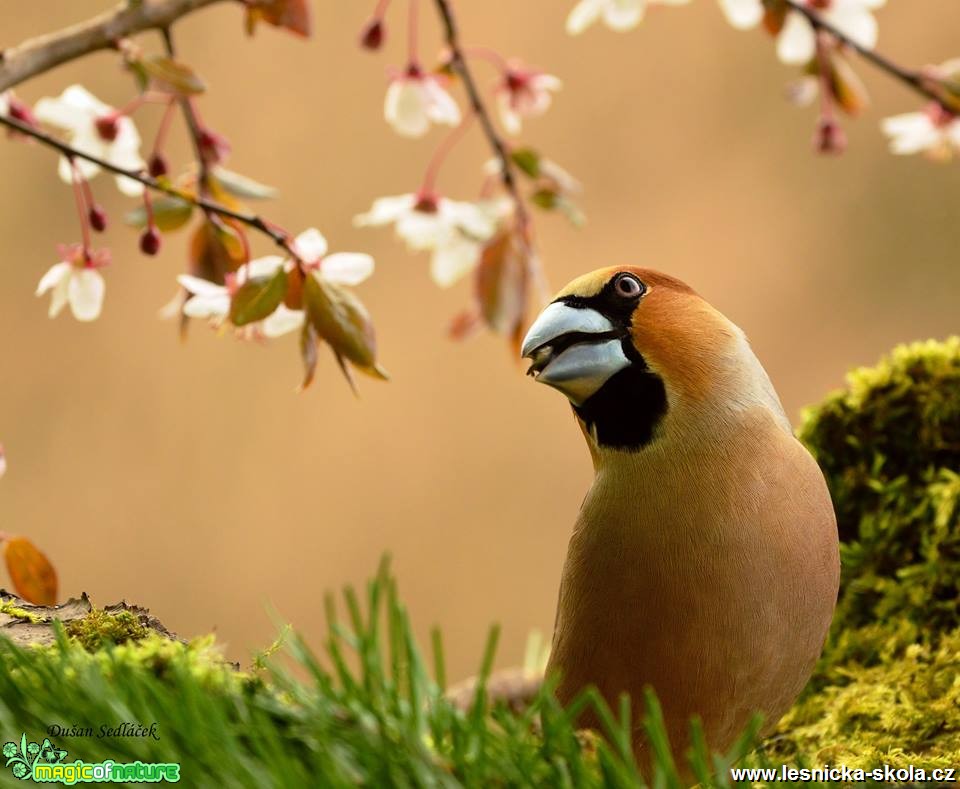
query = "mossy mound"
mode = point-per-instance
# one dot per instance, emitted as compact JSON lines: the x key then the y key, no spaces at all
{"x":889,"y":446}
{"x":887,"y":689}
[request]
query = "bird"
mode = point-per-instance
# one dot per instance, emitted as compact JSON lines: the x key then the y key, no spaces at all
{"x":704,"y":562}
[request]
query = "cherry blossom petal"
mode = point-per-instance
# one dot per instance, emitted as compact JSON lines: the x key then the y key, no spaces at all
{"x":346,"y":268}
{"x":87,"y":169}
{"x":796,"y":43}
{"x":74,"y":107}
{"x":386,"y":210}
{"x":310,"y":245}
{"x":441,"y":108}
{"x":911,"y":132}
{"x":856,"y":21}
{"x":508,"y":115}
{"x":59,"y":297}
{"x":282,"y":321}
{"x":453,"y":259}
{"x":624,"y":14}
{"x":5,"y":103}
{"x":584,"y":14}
{"x":55,"y":274}
{"x":742,"y":14}
{"x":86,"y":289}
{"x":208,"y":306}
{"x":261,"y":267}
{"x":469,"y":217}
{"x":405,"y":108}
{"x":421,"y":230}
{"x":200,"y":287}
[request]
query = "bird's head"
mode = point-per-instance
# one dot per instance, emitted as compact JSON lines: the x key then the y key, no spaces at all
{"x":639,"y":354}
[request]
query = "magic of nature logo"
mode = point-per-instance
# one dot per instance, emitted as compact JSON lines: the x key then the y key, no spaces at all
{"x":46,"y":763}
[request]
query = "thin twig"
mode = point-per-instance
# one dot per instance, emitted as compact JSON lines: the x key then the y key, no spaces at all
{"x":254,"y":221}
{"x":40,"y":54}
{"x":459,"y":63}
{"x":912,"y":78}
{"x":193,"y":123}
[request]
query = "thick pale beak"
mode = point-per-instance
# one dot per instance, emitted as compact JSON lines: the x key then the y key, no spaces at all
{"x":575,"y":350}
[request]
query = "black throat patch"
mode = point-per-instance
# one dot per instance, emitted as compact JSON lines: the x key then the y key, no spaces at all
{"x":624,"y":412}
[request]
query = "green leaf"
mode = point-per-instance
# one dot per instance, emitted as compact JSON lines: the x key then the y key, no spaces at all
{"x":241,"y":186}
{"x":177,"y":77}
{"x":546,"y":199}
{"x":528,"y":160}
{"x":341,"y":320}
{"x":169,"y":213}
{"x":258,"y":298}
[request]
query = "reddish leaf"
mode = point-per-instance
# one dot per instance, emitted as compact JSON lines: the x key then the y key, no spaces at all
{"x":216,"y":249}
{"x":774,"y":16}
{"x":292,"y":15}
{"x":502,"y":282}
{"x":31,"y":572}
{"x":465,"y":324}
{"x":846,"y":86}
{"x":294,"y":296}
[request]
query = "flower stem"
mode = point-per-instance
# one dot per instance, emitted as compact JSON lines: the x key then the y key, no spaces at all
{"x":490,"y":55}
{"x":83,"y":208}
{"x":458,"y":63}
{"x":439,"y":156}
{"x":412,"y":23}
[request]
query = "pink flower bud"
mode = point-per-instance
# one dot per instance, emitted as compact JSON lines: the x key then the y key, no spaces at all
{"x":98,"y":218}
{"x":372,"y":35}
{"x":157,"y":165}
{"x":214,"y":147}
{"x":829,"y":137}
{"x":107,"y":127}
{"x":21,"y":112}
{"x":150,"y":241}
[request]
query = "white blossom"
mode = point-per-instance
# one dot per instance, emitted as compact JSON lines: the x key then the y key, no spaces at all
{"x":455,"y":232}
{"x":524,"y":93}
{"x":416,"y":99}
{"x":796,"y":41}
{"x":97,"y":129}
{"x":933,"y":131}
{"x":76,"y":281}
{"x":211,"y":301}
{"x":616,"y":14}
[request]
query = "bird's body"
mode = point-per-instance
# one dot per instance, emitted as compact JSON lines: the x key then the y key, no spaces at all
{"x":704,"y":561}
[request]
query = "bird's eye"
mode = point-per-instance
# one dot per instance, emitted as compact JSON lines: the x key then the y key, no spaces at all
{"x":628,"y":286}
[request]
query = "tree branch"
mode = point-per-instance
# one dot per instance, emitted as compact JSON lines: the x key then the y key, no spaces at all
{"x":459,"y":64}
{"x":40,"y":54}
{"x":279,"y":237}
{"x":915,"y":79}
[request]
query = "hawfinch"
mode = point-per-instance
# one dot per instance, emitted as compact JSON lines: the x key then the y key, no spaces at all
{"x":704,"y":562}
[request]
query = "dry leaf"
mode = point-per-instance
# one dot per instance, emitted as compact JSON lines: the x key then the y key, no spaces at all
{"x":30,"y":571}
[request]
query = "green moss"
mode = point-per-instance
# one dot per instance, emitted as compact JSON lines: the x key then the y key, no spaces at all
{"x":887,"y":689}
{"x":7,"y":607}
{"x":100,"y":627}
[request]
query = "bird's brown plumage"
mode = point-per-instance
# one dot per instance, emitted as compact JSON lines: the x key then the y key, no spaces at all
{"x":705,"y":562}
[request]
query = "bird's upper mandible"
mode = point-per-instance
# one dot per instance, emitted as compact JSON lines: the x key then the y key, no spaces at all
{"x":631,"y":348}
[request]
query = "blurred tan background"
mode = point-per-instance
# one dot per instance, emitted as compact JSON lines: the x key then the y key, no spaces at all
{"x":192,"y":479}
